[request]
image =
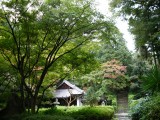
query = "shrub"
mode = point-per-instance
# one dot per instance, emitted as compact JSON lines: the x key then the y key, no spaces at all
{"x":90,"y":98}
{"x":47,"y":117}
{"x":84,"y":113}
{"x":136,"y":107}
{"x":55,"y":111}
{"x":146,"y":109}
{"x":151,"y":109}
{"x":69,"y":113}
{"x":37,"y":117}
{"x":94,"y":113}
{"x":151,"y":82}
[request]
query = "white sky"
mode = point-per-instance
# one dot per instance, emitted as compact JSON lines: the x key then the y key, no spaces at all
{"x":103,"y":7}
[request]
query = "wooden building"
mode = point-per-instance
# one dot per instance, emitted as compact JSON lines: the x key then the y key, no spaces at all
{"x":68,"y":94}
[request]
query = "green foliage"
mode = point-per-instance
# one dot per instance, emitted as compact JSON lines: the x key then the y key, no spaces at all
{"x":136,"y":107}
{"x":102,"y":82}
{"x":151,"y":109}
{"x":151,"y":82}
{"x":96,"y":113}
{"x":93,"y":84}
{"x":47,"y":117}
{"x":115,"y":50}
{"x":8,"y":81}
{"x":44,"y":41}
{"x":70,"y":113}
{"x":115,"y":75}
{"x":146,"y":108}
{"x":139,"y":69}
{"x":84,"y":113}
{"x":143,"y":18}
{"x":52,"y":111}
{"x":38,"y":117}
{"x":90,"y":98}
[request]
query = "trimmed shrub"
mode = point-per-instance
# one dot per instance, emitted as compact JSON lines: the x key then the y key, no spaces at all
{"x":48,"y":117}
{"x":84,"y":113}
{"x":37,"y":117}
{"x":68,"y":113}
{"x":93,"y":113}
{"x":54,"y":111}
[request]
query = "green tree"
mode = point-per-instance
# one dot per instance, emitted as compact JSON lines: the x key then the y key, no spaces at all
{"x":35,"y":37}
{"x":90,"y":98}
{"x":116,"y":49}
{"x":8,"y":81}
{"x":107,"y":51}
{"x":143,"y":18}
{"x":139,"y":69}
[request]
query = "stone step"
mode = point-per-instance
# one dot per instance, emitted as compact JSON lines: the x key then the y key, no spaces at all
{"x":124,"y":101}
{"x":122,"y":104}
{"x":123,"y":116}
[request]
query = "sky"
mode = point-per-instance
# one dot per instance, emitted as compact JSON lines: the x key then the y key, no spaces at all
{"x":103,"y":7}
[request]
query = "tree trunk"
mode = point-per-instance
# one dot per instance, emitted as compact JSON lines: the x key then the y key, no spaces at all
{"x":34,"y":98}
{"x":22,"y":94}
{"x":14,"y":106}
{"x":33,"y":104}
{"x":154,"y":54}
{"x":69,"y":103}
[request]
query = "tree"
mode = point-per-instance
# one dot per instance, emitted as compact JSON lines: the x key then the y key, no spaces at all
{"x":36,"y":36}
{"x":116,"y":49}
{"x":143,"y":18}
{"x":7,"y":81}
{"x":107,"y":51}
{"x":110,"y":78}
{"x":90,"y":98}
{"x":114,"y":73}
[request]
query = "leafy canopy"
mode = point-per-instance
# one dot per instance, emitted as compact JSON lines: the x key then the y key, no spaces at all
{"x":39,"y":39}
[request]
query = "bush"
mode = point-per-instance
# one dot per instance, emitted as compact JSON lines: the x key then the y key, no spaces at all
{"x":55,"y":111}
{"x":37,"y":117}
{"x":84,"y":113}
{"x":94,"y":113}
{"x":136,"y":107}
{"x":48,"y":117}
{"x":146,"y":109}
{"x":68,"y":113}
{"x":151,"y":109}
{"x":151,"y":82}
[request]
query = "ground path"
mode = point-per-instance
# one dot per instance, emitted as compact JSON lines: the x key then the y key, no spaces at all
{"x":122,"y":103}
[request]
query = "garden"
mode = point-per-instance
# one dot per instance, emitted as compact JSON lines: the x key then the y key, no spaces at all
{"x":46,"y":42}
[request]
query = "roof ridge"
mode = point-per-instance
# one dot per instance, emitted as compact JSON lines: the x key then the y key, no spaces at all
{"x":71,"y":85}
